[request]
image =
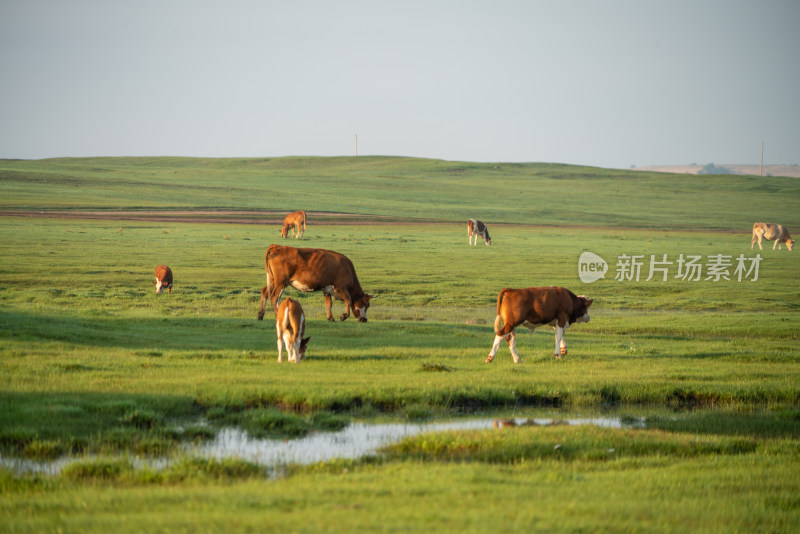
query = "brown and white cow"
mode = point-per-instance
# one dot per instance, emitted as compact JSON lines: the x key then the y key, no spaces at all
{"x":163,"y":279}
{"x":477,"y":228}
{"x":296,"y":222}
{"x":314,"y":269}
{"x":290,"y":323}
{"x":534,"y":307}
{"x":770,"y":231}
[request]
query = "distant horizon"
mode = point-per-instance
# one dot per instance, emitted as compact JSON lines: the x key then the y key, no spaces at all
{"x":694,"y":164}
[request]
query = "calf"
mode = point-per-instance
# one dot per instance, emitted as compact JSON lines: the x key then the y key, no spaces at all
{"x":295,"y":221}
{"x":163,"y":279}
{"x":313,"y":269}
{"x":290,"y":323}
{"x":477,"y":228}
{"x":534,"y":307}
{"x":770,"y":231}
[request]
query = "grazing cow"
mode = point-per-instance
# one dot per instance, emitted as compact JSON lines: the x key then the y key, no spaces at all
{"x":163,"y":279}
{"x":477,"y":228}
{"x":296,"y":222}
{"x":290,"y":322}
{"x":534,"y":307}
{"x":769,"y":232}
{"x":313,"y":269}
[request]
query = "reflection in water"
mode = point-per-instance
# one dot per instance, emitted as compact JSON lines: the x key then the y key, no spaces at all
{"x":355,"y":441}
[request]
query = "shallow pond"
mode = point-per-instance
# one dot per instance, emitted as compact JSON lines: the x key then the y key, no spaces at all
{"x":355,"y":441}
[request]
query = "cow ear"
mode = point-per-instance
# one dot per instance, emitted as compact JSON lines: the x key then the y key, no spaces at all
{"x":305,"y":341}
{"x":588,"y":301}
{"x":370,"y":297}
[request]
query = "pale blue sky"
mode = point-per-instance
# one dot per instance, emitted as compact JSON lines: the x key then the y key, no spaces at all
{"x":608,"y":83}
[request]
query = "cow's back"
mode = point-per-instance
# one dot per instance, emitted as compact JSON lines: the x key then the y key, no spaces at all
{"x":769,"y":231}
{"x":312,"y":267}
{"x":164,"y":274}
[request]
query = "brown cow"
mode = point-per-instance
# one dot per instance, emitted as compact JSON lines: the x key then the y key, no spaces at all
{"x":313,"y":269}
{"x":295,"y":221}
{"x":477,"y":228}
{"x":770,"y":231}
{"x":290,"y":322}
{"x":534,"y":307}
{"x":163,"y":279}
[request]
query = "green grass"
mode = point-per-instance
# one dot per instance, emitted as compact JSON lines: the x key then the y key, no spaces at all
{"x":526,"y":193}
{"x":92,"y":361}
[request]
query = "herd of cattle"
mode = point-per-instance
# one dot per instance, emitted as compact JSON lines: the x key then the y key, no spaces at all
{"x":313,"y":269}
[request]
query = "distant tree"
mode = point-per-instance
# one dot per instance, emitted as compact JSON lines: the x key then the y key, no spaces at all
{"x":713,"y":169}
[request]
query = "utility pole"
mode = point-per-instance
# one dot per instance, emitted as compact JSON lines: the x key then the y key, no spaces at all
{"x":761,"y":167}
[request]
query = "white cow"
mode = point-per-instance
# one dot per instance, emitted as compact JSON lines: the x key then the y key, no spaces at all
{"x":477,"y":228}
{"x":769,"y":232}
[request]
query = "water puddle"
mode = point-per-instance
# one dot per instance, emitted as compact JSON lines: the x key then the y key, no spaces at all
{"x":355,"y":441}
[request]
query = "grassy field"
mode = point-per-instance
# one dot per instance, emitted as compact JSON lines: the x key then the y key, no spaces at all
{"x":93,"y":362}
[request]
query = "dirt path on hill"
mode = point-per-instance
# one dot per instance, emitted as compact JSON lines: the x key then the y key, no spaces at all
{"x":276,"y":218}
{"x":203,"y":216}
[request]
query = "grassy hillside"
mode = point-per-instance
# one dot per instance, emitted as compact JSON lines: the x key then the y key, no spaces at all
{"x":519,"y":193}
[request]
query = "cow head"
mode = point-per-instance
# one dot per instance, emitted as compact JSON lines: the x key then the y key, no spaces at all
{"x":790,"y":244}
{"x":360,"y":307}
{"x":284,"y":231}
{"x":488,"y":241}
{"x":582,"y":311}
{"x":161,"y":286}
{"x":301,"y":353}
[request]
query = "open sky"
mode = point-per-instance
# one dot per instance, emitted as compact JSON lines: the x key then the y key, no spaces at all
{"x":610,"y":83}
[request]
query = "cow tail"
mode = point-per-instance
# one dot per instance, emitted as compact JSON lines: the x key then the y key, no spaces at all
{"x":285,"y":321}
{"x":266,"y":291}
{"x":498,"y":321}
{"x":270,"y":276}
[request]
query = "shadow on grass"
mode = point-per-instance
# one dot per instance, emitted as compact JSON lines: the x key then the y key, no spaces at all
{"x":204,"y":334}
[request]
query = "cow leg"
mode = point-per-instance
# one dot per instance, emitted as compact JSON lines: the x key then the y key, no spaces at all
{"x":759,"y":243}
{"x":328,"y":304}
{"x":344,"y":294}
{"x":496,"y":345}
{"x":561,"y":346}
{"x":280,"y":344}
{"x":267,"y":293}
{"x":273,"y":294}
{"x":511,"y":339}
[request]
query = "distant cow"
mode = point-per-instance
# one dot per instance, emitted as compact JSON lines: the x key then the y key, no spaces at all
{"x":290,"y":323}
{"x":477,"y":228}
{"x":296,"y":222}
{"x":313,"y":269}
{"x":534,"y":307}
{"x":163,"y":279}
{"x":769,"y":232}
